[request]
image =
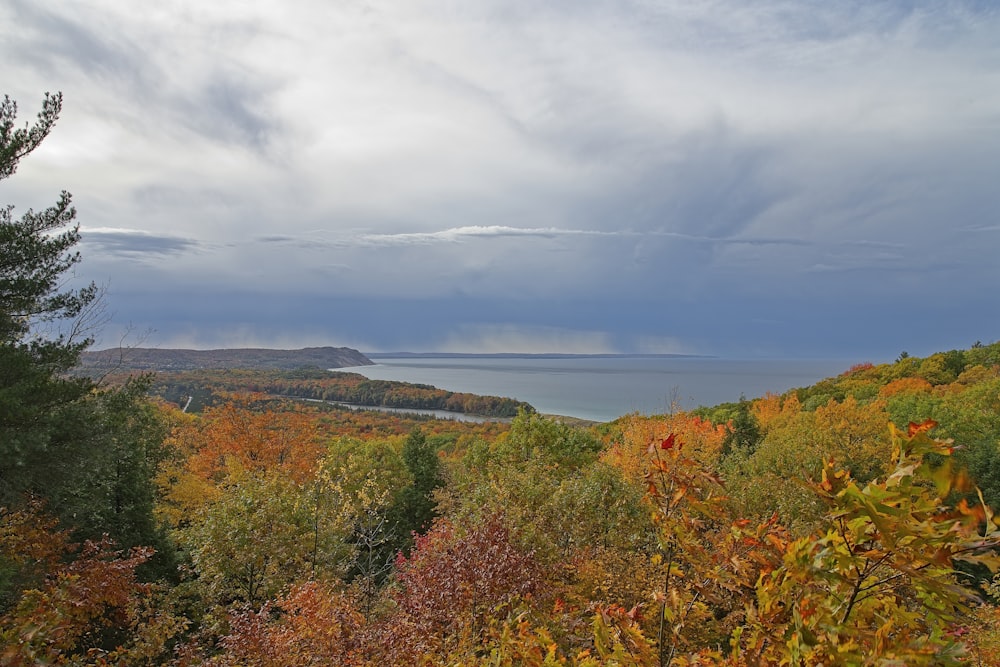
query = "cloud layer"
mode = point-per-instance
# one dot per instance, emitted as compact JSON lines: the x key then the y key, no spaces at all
{"x":781,"y":178}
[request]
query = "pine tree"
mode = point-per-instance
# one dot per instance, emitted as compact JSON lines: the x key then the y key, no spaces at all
{"x":416,"y":502}
{"x":36,"y":251}
{"x":743,"y":432}
{"x":87,"y":451}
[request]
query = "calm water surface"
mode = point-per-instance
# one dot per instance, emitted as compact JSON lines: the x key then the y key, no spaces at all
{"x":604,"y":388}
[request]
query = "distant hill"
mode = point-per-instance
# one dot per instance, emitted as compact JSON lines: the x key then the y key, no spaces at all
{"x":154,"y":359}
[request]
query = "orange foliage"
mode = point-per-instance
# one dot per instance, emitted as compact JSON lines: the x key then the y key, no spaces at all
{"x":709,"y":561}
{"x":766,"y":409}
{"x":791,"y":406}
{"x":258,"y":441}
{"x":366,"y":424}
{"x":775,"y":410}
{"x":80,"y":604}
{"x":30,"y":540}
{"x":854,"y":433}
{"x":702,"y":441}
{"x":907,"y":385}
{"x":310,"y":625}
{"x":982,"y":636}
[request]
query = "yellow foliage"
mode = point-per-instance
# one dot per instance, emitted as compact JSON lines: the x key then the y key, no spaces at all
{"x":182,"y":494}
{"x":977,"y":374}
{"x":855,"y":435}
{"x":767,"y":409}
{"x":615,"y":576}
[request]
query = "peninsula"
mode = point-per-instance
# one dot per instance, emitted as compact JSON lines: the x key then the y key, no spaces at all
{"x":155,"y":359}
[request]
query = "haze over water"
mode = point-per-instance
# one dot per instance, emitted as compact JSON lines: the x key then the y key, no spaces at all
{"x":604,"y":388}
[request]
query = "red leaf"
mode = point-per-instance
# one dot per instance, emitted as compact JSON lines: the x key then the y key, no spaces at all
{"x":668,"y":443}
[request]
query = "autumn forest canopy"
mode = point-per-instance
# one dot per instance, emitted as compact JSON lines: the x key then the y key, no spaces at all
{"x":851,"y":522}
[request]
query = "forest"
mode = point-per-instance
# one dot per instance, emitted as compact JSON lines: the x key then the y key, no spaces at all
{"x":204,"y":387}
{"x":852,"y":522}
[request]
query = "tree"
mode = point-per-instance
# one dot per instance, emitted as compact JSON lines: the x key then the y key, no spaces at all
{"x":381,"y":533}
{"x":880,"y":584}
{"x":453,"y":582}
{"x":108,"y":485}
{"x":876,"y":584}
{"x":36,"y":251}
{"x":91,"y":609}
{"x":254,"y":540}
{"x":240,"y":436}
{"x":520,"y":476}
{"x":743,"y":432}
{"x":87,"y":451}
{"x":313,"y":624}
{"x":414,"y":508}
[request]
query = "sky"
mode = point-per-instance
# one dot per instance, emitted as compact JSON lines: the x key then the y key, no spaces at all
{"x":794,"y":178}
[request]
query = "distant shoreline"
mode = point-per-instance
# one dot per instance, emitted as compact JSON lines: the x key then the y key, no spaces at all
{"x":526,"y":355}
{"x":605,"y":387}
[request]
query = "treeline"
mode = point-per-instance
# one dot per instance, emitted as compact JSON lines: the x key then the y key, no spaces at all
{"x":783,"y":438}
{"x":340,"y":387}
{"x":867,"y":381}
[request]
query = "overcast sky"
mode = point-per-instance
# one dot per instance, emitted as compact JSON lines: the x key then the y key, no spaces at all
{"x":794,"y":179}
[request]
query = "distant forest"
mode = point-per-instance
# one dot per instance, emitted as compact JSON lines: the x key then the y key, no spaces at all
{"x":205,"y":387}
{"x":156,"y":359}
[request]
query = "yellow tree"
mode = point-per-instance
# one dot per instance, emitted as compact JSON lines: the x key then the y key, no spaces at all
{"x":854,"y":434}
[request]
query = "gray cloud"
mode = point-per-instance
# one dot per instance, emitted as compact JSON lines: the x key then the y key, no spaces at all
{"x":458,"y":234}
{"x":982,"y":228}
{"x":53,"y":41}
{"x":229,"y":108}
{"x":277,"y":238}
{"x":134,"y":243}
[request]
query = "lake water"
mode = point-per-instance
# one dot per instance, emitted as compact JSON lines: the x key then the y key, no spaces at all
{"x":604,"y":388}
{"x":436,"y":414}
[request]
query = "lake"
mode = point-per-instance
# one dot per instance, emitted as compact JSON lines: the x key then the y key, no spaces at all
{"x":602,"y":388}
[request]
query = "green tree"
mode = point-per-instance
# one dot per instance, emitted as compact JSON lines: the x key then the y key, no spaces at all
{"x":87,"y":451}
{"x":256,"y":539}
{"x":381,"y":537}
{"x":107,"y":486}
{"x":40,"y":332}
{"x":743,"y":432}
{"x":535,"y":439}
{"x":415,"y":504}
{"x":519,"y":474}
